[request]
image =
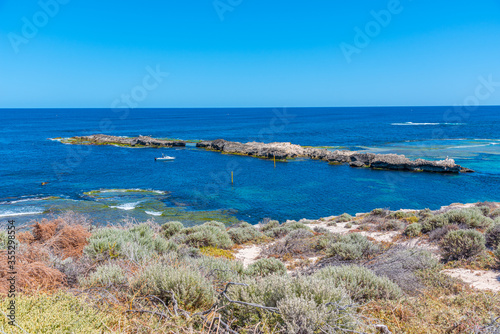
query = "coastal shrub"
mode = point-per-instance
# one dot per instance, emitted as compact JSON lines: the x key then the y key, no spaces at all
{"x":351,"y":247}
{"x":171,"y":228}
{"x":344,"y":218}
{"x":240,"y":235}
{"x":105,"y":275}
{"x":300,"y":234}
{"x":281,"y":291}
{"x":425,"y":213}
{"x":495,"y":213}
{"x":493,"y":236}
{"x":217,"y":252}
{"x":332,"y":223}
{"x":321,"y":230}
{"x":401,"y":214}
{"x":497,"y":254}
{"x":217,"y":224}
{"x":191,"y":289}
{"x":285,"y":228}
{"x":470,"y":217}
{"x":138,"y":243}
{"x":55,"y":313}
{"x":269,"y":225}
{"x":413,"y":230}
{"x":265,"y":267}
{"x":208,"y":235}
{"x":439,"y":233}
{"x":348,"y":225}
{"x":361,"y":283}
{"x":4,"y":240}
{"x":221,"y":269}
{"x":379,"y":212}
{"x":392,"y":225}
{"x":485,"y":210}
{"x":462,"y":244}
{"x":403,"y":266}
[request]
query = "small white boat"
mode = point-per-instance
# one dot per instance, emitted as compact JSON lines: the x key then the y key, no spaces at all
{"x":165,"y":157}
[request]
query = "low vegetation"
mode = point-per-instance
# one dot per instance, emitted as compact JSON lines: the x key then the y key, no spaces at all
{"x":146,"y":278}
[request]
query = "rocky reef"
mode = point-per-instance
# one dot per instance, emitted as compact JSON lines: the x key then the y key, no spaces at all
{"x":283,"y":151}
{"x":140,"y":141}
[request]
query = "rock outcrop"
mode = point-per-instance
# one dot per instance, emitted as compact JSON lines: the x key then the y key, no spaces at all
{"x":282,"y":151}
{"x":124,"y":141}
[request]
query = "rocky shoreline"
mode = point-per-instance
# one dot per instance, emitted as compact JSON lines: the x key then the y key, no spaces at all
{"x":283,"y":151}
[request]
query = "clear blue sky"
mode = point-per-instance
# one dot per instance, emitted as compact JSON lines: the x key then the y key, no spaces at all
{"x":263,"y":53}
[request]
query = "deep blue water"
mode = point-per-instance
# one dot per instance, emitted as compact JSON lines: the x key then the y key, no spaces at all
{"x":199,"y":180}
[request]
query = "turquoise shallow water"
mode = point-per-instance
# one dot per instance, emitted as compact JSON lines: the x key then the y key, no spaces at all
{"x":196,"y":186}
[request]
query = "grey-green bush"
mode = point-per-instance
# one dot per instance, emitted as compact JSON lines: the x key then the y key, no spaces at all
{"x":192,"y":290}
{"x":171,"y":228}
{"x":240,"y":235}
{"x":265,"y":267}
{"x":392,"y":225}
{"x":283,"y":229}
{"x":105,"y":276}
{"x":361,"y":283}
{"x":270,"y":225}
{"x":282,"y":292}
{"x":343,"y":218}
{"x":138,"y":243}
{"x":462,"y":244}
{"x":350,"y":247}
{"x":470,"y":217}
{"x":413,"y":230}
{"x":493,"y":236}
{"x":209,"y":234}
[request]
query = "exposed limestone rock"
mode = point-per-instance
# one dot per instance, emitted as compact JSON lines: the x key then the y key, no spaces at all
{"x":283,"y":151}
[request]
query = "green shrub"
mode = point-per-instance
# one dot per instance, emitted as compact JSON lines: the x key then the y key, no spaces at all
{"x":171,"y":228}
{"x":348,"y":225}
{"x":378,"y":212}
{"x":240,"y":235}
{"x":497,"y":254}
{"x":413,"y":230}
{"x":270,"y":225}
{"x":296,"y":298}
{"x":392,"y":225}
{"x":138,"y":243}
{"x":209,"y":234}
{"x":332,"y":223}
{"x":462,"y":244}
{"x":361,"y":283}
{"x":350,"y":247}
{"x":344,"y":218}
{"x":218,"y":268}
{"x":283,"y":229}
{"x":493,"y":236}
{"x":192,"y":290}
{"x":401,"y":214}
{"x":470,"y":217}
{"x":105,"y":275}
{"x":300,"y":234}
{"x":485,"y":210}
{"x":265,"y":267}
{"x":495,"y":213}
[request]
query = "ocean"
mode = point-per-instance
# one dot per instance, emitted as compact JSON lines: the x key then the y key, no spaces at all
{"x":112,"y":184}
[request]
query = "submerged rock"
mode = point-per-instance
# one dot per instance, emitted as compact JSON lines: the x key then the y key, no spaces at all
{"x":284,"y":151}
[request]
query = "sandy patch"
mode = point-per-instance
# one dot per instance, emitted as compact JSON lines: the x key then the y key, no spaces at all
{"x":338,"y":228}
{"x":479,"y":279}
{"x":248,"y":254}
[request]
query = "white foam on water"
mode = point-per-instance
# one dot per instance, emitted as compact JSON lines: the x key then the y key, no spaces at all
{"x":126,"y":206}
{"x":14,"y":213}
{"x":154,"y":213}
{"x":411,"y":123}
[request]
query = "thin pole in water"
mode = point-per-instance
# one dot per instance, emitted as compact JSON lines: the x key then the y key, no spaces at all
{"x":274,"y":161}
{"x":231,"y":177}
